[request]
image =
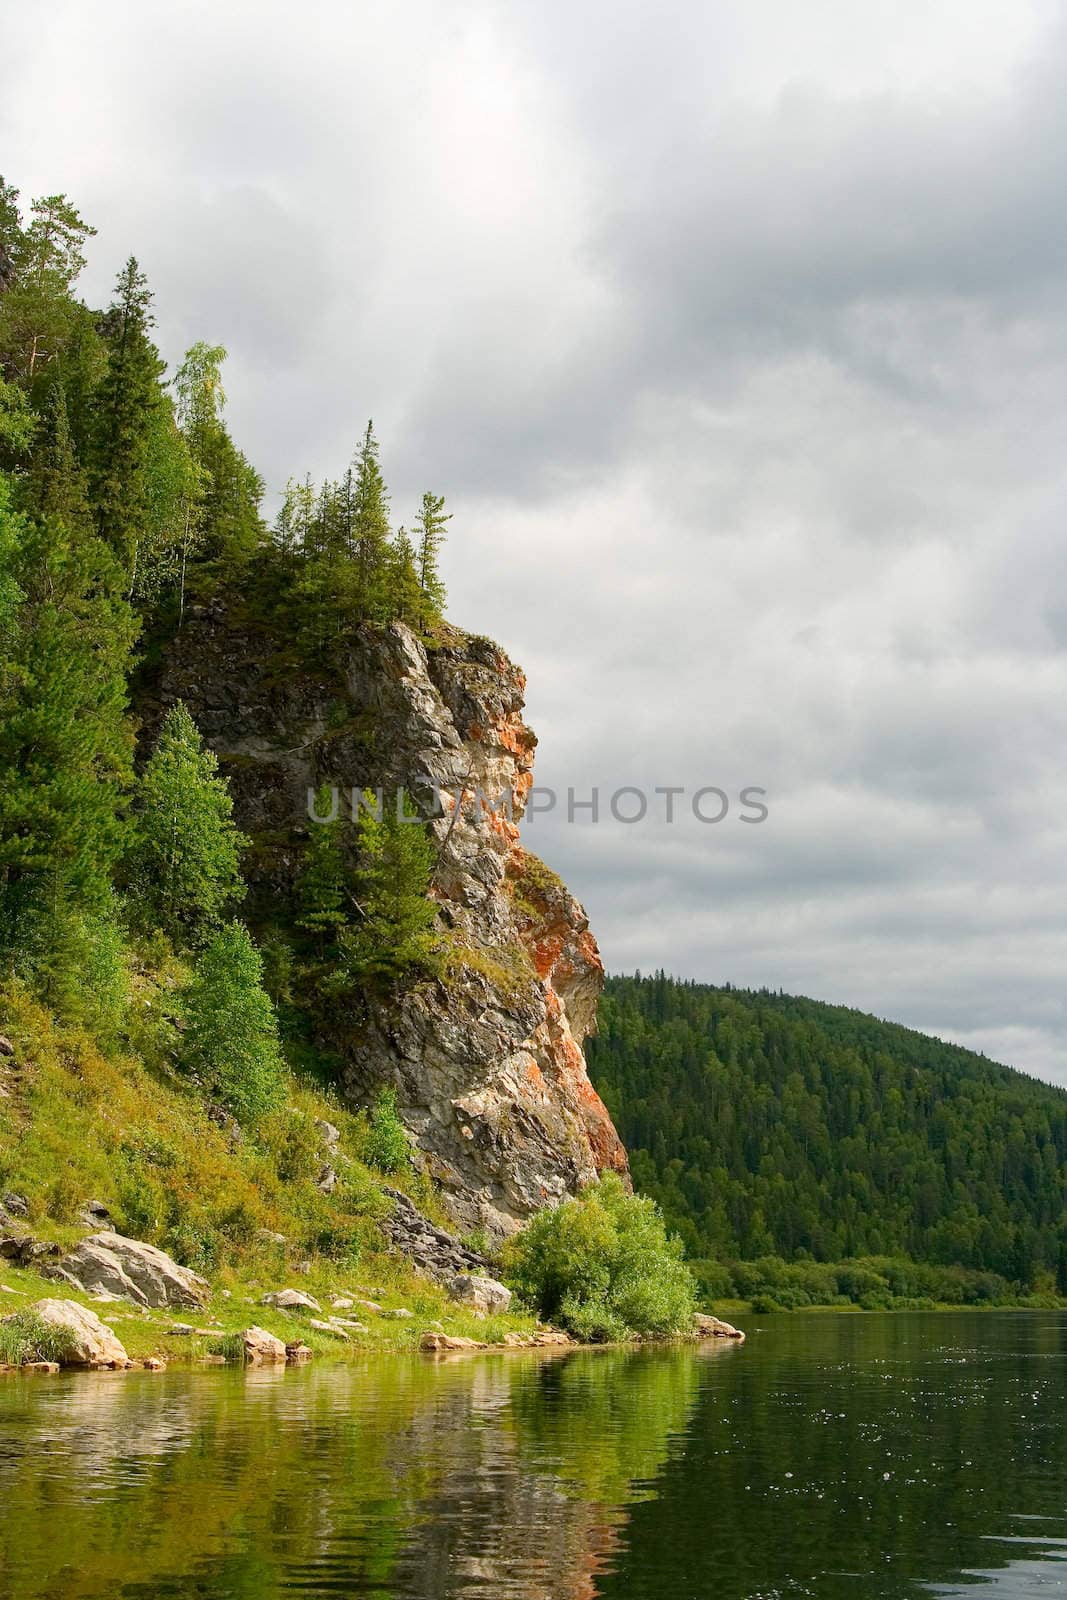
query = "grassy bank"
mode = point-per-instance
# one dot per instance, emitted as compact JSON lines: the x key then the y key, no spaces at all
{"x":243,"y":1208}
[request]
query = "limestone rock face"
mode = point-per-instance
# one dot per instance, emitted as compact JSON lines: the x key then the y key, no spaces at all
{"x":111,"y":1265}
{"x":92,"y":1342}
{"x":487,"y":1062}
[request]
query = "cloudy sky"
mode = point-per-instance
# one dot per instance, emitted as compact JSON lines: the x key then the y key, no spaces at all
{"x":736,"y":336}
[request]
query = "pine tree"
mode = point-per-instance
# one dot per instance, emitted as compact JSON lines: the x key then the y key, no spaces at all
{"x":41,"y":264}
{"x":231,"y":1036}
{"x":396,"y":934}
{"x":430,"y":531}
{"x":185,"y":861}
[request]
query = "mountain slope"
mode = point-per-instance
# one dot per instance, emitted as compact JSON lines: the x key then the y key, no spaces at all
{"x":770,"y":1124}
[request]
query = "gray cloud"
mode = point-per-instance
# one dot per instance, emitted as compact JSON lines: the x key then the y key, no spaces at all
{"x":738,"y":340}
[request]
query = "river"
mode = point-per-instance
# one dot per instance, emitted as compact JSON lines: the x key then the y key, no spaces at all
{"x":830,"y":1456}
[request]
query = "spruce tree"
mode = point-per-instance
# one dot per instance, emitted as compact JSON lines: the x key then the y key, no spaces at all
{"x":231,"y":1035}
{"x":370,"y":527}
{"x":406,"y":597}
{"x":395,"y":935}
{"x":185,"y":860}
{"x":129,"y":395}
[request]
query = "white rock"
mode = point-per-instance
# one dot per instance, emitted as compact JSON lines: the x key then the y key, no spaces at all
{"x":484,"y":1294}
{"x":333,"y":1326}
{"x":262,"y":1347}
{"x":111,"y":1264}
{"x":92,"y":1341}
{"x":290,"y":1300}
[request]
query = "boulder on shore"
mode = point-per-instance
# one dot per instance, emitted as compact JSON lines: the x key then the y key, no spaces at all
{"x":709,"y":1327}
{"x":108,"y":1263}
{"x":290,"y":1300}
{"x":482,"y":1293}
{"x":448,"y":1341}
{"x":91,"y":1342}
{"x":262,"y":1347}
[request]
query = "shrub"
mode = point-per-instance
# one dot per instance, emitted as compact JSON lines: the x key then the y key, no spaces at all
{"x":27,"y":1337}
{"x":387,"y":1145}
{"x":603,"y":1266}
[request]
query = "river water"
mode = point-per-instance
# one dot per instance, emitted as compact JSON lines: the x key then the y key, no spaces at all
{"x":859,"y":1456}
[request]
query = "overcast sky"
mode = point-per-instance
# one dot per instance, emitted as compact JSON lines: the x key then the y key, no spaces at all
{"x":736,"y":336}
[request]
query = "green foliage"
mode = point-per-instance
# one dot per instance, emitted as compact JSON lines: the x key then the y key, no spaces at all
{"x":321,"y":884}
{"x":125,"y":422}
{"x":85,"y":974}
{"x":44,"y":259}
{"x":870,"y":1282}
{"x":185,"y":860}
{"x":532,"y":884}
{"x":342,"y":564}
{"x":395,"y":936}
{"x":230,"y":1346}
{"x":507,"y":967}
{"x":17,"y":421}
{"x":430,"y":535}
{"x":770,"y":1125}
{"x":223,"y":525}
{"x":26,"y":1337}
{"x":231,"y":1038}
{"x":65,"y":641}
{"x":603,"y":1266}
{"x":386,"y":1146}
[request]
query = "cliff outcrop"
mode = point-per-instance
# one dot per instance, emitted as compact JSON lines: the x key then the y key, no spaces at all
{"x":487,"y":1059}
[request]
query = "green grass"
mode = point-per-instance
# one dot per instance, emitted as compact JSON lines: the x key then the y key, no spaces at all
{"x":24,"y":1336}
{"x":532,"y":884}
{"x":126,"y":1129}
{"x":507,"y":968}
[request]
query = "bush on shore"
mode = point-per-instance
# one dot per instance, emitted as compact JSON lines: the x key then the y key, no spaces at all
{"x":603,"y":1266}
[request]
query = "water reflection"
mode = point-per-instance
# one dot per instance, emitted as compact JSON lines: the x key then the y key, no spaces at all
{"x":891,"y":1456}
{"x":390,"y":1478}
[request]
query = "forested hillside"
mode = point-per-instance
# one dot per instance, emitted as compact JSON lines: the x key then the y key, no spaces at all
{"x":768,"y":1125}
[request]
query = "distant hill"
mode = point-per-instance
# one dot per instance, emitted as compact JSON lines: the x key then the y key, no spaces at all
{"x":768,"y":1124}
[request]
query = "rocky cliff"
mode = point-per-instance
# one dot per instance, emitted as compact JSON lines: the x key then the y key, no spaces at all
{"x":487,"y":1060}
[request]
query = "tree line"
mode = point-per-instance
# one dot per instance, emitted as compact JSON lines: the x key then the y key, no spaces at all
{"x":123,"y":498}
